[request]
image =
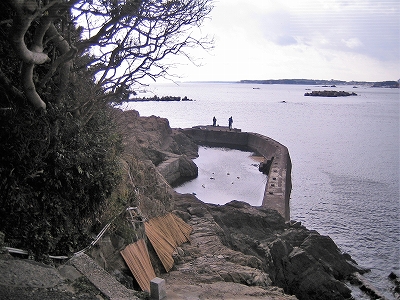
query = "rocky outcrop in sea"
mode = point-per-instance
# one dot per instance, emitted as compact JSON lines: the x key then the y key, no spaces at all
{"x":330,"y":94}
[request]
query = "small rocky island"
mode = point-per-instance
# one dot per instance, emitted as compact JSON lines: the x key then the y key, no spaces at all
{"x":163,"y":98}
{"x":330,"y":94}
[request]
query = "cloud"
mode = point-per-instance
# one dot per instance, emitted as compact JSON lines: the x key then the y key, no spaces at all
{"x":372,"y":31}
{"x":286,"y":40}
{"x":352,"y":43}
{"x":368,"y":28}
{"x":316,"y":39}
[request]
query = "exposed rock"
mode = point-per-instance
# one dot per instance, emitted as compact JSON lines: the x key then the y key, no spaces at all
{"x":365,"y":286}
{"x":330,"y":94}
{"x":246,"y":248}
{"x":177,"y":169}
{"x":254,"y":246}
{"x":151,"y":138}
{"x":239,"y":243}
{"x":236,"y":251}
{"x":182,"y":144}
{"x":187,"y":168}
{"x":265,"y":166}
{"x":152,"y":134}
{"x":156,"y":98}
{"x":396,"y":281}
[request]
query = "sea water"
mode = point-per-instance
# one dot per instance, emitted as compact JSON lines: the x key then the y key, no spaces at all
{"x":226,"y":175}
{"x":344,"y":151}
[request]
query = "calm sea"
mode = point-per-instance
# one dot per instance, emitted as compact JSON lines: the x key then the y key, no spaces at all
{"x":344,"y":151}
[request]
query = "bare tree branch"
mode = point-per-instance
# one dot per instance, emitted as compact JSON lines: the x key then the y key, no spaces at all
{"x":29,"y":86}
{"x":126,"y":40}
{"x":26,"y":12}
{"x":132,"y":46}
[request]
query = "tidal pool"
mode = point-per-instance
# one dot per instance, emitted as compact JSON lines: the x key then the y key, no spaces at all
{"x":226,"y":175}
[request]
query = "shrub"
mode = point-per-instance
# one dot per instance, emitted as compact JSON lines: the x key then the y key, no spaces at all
{"x":55,"y":175}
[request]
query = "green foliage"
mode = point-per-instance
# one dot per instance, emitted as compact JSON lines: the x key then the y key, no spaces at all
{"x":59,"y":168}
{"x":55,"y":176}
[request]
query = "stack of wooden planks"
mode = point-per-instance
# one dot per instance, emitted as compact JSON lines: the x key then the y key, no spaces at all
{"x":165,"y":234}
{"x":137,"y":258}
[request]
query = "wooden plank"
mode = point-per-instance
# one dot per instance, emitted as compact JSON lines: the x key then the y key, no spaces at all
{"x":166,"y":233}
{"x":137,"y":258}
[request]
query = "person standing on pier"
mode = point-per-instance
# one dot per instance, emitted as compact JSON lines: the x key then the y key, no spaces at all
{"x":214,"y":121}
{"x":230,"y":121}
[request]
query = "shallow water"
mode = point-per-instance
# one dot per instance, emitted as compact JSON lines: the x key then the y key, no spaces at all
{"x":226,"y":175}
{"x":344,"y":151}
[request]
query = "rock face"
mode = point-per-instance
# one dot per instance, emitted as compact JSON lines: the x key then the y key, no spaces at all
{"x":236,"y":251}
{"x":177,"y":169}
{"x":154,"y":136}
{"x":151,"y":138}
{"x":247,"y":252}
{"x":254,"y":246}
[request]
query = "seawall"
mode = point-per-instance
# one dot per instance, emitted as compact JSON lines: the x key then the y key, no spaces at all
{"x":279,"y":183}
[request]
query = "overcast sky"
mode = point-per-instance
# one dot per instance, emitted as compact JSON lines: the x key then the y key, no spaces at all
{"x":312,"y":39}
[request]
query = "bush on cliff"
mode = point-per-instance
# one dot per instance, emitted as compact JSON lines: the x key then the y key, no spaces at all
{"x":58,"y":73}
{"x":54,"y":181}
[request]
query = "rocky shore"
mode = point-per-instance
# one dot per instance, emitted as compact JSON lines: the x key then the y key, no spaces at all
{"x":256,"y":247}
{"x":156,"y":98}
{"x":236,"y":251}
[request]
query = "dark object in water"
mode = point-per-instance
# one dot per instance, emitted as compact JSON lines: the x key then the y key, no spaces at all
{"x":330,"y":94}
{"x":265,"y":166}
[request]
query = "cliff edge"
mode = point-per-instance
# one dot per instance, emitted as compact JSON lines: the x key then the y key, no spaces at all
{"x":244,"y":245}
{"x":236,"y":251}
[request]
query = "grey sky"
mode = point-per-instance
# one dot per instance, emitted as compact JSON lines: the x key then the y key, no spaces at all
{"x":314,"y":39}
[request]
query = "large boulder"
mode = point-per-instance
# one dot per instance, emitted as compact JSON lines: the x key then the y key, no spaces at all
{"x":177,"y":169}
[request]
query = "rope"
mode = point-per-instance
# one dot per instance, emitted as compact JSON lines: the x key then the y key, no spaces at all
{"x":62,"y":257}
{"x":263,"y":182}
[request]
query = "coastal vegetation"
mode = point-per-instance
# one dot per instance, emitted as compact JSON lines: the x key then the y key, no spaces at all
{"x":63,"y":64}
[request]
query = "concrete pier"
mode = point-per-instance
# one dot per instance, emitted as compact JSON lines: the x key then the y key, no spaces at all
{"x":279,"y":184}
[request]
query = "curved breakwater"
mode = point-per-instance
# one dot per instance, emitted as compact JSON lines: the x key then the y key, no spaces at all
{"x":279,"y":184}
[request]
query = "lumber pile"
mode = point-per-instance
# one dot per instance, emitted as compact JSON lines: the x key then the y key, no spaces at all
{"x":165,"y":234}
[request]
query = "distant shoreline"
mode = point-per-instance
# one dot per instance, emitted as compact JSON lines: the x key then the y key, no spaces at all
{"x":388,"y":84}
{"x":323,"y":82}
